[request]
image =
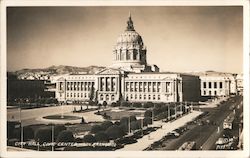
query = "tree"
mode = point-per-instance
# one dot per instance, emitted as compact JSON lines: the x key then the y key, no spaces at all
{"x":101,"y":137}
{"x":89,"y":139}
{"x":99,"y":106}
{"x":124,"y":127}
{"x":106,"y":124}
{"x":11,"y":129}
{"x":125,"y":104}
{"x":104,"y":104}
{"x":147,"y":121}
{"x":65,"y":136}
{"x":113,"y":104}
{"x":137,"y":105}
{"x":95,"y":129}
{"x":58,"y":129}
{"x":148,"y":105}
{"x":134,"y":125}
{"x":124,"y":120}
{"x":115,"y":132}
{"x":157,"y":111}
{"x":28,"y":133}
{"x":132,"y":118}
{"x":159,"y":105}
{"x":148,"y":113}
{"x":43,"y":135}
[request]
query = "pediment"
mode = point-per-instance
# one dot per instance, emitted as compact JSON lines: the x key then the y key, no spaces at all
{"x":61,"y":79}
{"x":109,"y":71}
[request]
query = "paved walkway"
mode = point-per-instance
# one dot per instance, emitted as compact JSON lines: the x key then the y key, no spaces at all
{"x":34,"y":116}
{"x":144,"y":142}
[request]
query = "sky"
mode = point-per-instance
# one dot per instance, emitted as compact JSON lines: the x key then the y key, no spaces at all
{"x":180,"y":39}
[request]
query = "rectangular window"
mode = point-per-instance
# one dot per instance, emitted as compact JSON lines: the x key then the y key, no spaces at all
{"x":209,"y":84}
{"x":136,"y":86}
{"x":215,"y":84}
{"x":149,"y":86}
{"x":158,"y":86}
{"x":204,"y":84}
{"x":127,"y":86}
{"x":140,"y":86}
{"x":204,"y":92}
{"x":167,"y":87}
{"x":132,"y":87}
{"x":154,"y":87}
{"x":221,"y":86}
{"x":144,"y":87}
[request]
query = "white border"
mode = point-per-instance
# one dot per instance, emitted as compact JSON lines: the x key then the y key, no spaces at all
{"x":142,"y":154}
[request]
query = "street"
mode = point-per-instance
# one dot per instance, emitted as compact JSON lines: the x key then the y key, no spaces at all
{"x":204,"y":134}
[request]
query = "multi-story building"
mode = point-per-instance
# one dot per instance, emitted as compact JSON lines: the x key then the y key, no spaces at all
{"x":239,"y":83}
{"x":215,"y":84}
{"x":129,"y":78}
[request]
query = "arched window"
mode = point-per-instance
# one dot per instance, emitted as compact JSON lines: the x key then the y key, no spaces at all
{"x":107,"y":97}
{"x":101,"y":97}
{"x":112,"y":97}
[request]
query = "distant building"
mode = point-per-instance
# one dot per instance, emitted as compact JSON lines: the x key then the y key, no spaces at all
{"x":239,"y":83}
{"x":17,"y":88}
{"x":215,"y":84}
{"x":129,"y":78}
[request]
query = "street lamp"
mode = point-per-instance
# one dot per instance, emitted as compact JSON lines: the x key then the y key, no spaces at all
{"x":129,"y":125}
{"x":142,"y":124}
{"x":52,"y":137}
{"x":62,"y":110}
{"x":169,"y":112}
{"x":175,"y":111}
{"x":21,"y":126}
{"x":152,"y":116}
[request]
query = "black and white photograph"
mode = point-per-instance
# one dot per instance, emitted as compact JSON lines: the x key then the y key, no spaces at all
{"x":121,"y":78}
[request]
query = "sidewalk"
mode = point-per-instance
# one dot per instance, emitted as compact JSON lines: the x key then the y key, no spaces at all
{"x":144,"y":142}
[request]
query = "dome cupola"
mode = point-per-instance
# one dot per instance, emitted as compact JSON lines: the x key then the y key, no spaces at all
{"x":129,"y":51}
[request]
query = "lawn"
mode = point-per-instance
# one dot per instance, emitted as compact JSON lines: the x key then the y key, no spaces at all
{"x":117,"y":115}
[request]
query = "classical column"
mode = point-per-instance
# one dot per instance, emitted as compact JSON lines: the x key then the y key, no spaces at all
{"x":152,"y":86}
{"x":111,"y":84}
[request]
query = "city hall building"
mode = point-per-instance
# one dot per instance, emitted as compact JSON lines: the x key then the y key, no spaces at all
{"x":129,"y":78}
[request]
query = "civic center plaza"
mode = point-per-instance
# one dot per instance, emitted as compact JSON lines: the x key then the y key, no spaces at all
{"x":130,"y":78}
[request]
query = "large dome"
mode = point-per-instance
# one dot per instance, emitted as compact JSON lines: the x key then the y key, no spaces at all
{"x":129,"y":39}
{"x":129,"y":51}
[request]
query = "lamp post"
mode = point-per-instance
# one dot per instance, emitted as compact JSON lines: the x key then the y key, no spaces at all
{"x":129,"y":125}
{"x":21,"y":125}
{"x":38,"y":145}
{"x":186,"y":109}
{"x":152,"y":116}
{"x":142,"y":124}
{"x":52,"y":137}
{"x":62,"y":111}
{"x":169,"y":112}
{"x":175,"y":111}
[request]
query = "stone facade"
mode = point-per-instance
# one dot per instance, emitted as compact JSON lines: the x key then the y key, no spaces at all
{"x":113,"y":85}
{"x":218,"y":84}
